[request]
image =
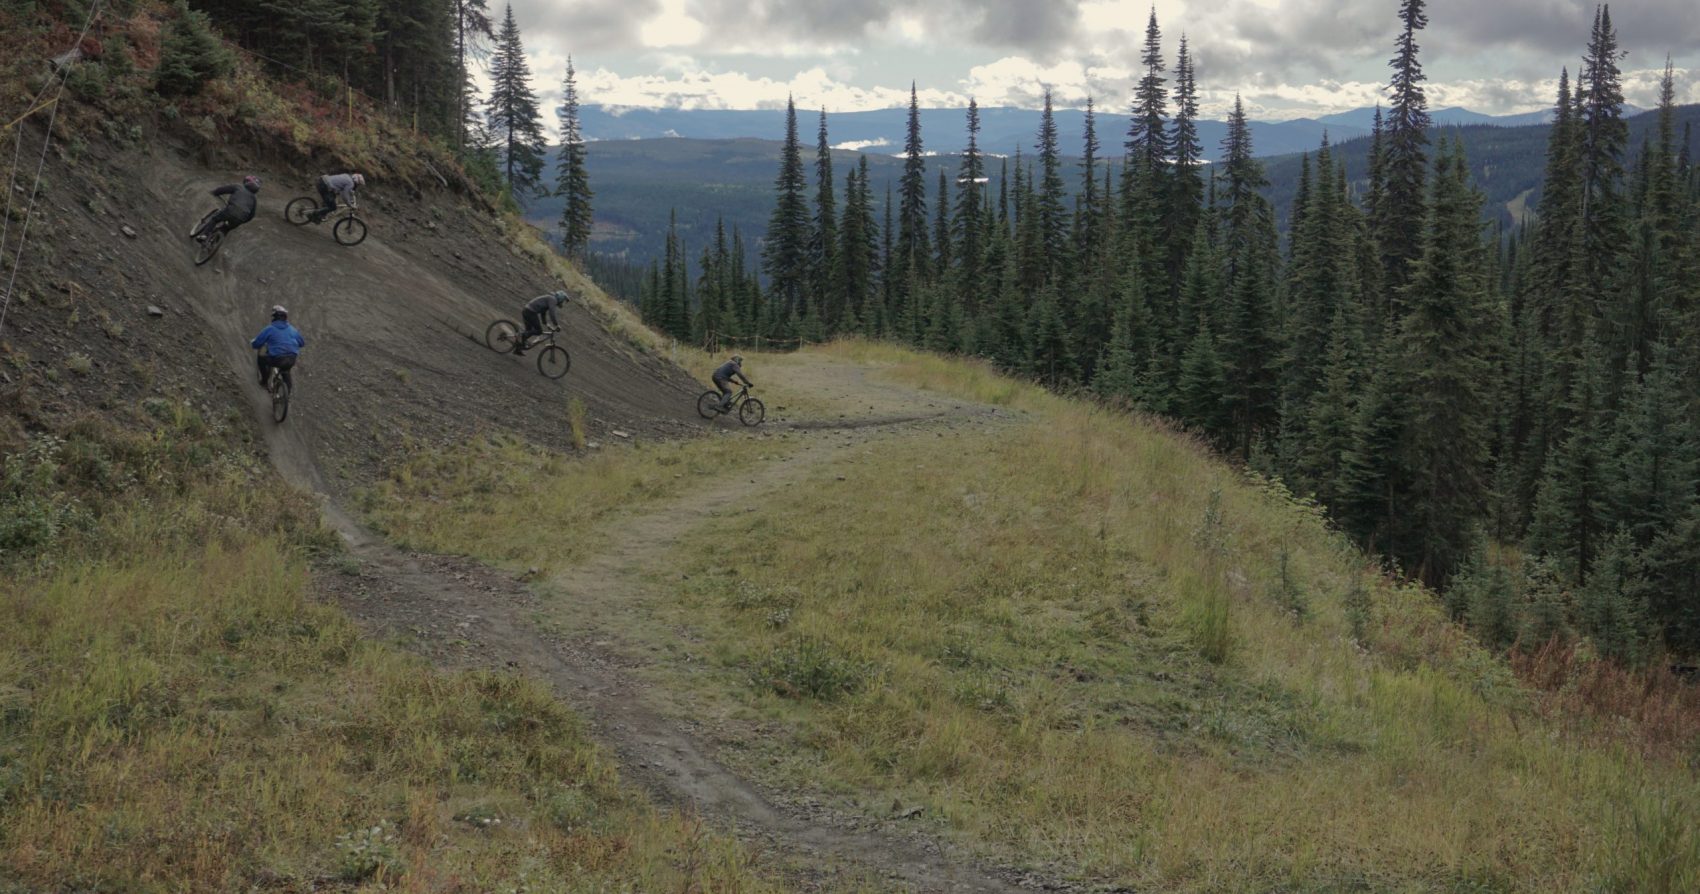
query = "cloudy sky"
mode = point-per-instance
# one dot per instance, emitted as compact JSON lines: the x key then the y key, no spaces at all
{"x":1289,"y":58}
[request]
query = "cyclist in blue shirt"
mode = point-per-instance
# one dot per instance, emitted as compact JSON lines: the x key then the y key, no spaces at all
{"x":279,"y":345}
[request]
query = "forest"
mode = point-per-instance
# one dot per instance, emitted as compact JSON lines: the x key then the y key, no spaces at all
{"x":1506,"y":414}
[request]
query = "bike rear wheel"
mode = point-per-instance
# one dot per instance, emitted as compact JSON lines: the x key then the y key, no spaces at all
{"x":708,"y":406}
{"x":300,"y":211}
{"x":502,"y":336}
{"x":554,"y":361}
{"x":209,"y":246}
{"x":752,"y":412}
{"x":350,"y":231}
{"x":280,"y":398}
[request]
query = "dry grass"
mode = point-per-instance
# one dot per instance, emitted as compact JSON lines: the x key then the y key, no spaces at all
{"x":505,"y":501}
{"x":1064,"y":666}
{"x":1074,"y":640}
{"x":178,"y":714}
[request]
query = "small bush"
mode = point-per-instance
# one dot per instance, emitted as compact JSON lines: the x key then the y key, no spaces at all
{"x":810,"y":668}
{"x":575,"y":422}
{"x":190,"y":56}
{"x":368,"y":854}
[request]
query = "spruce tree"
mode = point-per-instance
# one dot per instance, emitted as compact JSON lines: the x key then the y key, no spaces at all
{"x":785,"y":253}
{"x":1052,"y":220}
{"x":1201,"y":397}
{"x":1404,"y":158}
{"x":573,"y":175}
{"x":513,"y":114}
{"x":473,"y":31}
{"x":826,"y":273}
{"x":912,"y":250}
{"x":1445,"y":366}
{"x":1188,"y":160}
{"x":966,"y":225}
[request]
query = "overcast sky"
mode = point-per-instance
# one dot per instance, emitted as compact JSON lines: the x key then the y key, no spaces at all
{"x":1288,"y":58}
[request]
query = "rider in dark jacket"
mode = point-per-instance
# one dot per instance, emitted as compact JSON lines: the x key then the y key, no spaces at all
{"x":240,"y":203}
{"x":723,"y":377}
{"x":534,"y":312}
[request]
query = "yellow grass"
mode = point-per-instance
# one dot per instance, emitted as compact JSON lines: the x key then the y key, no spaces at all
{"x":1069,"y":639}
{"x":505,"y":501}
{"x":178,"y":713}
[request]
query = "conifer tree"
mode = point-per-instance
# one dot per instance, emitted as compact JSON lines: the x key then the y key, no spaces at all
{"x":1188,"y":159}
{"x":1655,"y":467}
{"x":1445,"y":367}
{"x":1404,"y":158}
{"x":785,"y":253}
{"x":826,"y":273}
{"x":473,"y":30}
{"x":1201,"y":397}
{"x":966,"y":225}
{"x":512,"y":113}
{"x":1052,"y":219}
{"x":573,"y":175}
{"x":912,"y":250}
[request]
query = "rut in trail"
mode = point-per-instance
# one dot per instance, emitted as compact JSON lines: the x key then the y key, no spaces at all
{"x":461,"y":614}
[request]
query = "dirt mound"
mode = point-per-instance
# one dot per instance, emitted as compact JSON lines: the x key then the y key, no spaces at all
{"x":117,"y":310}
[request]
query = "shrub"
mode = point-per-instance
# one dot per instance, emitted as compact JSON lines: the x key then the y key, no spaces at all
{"x":191,"y":55}
{"x":810,"y":668}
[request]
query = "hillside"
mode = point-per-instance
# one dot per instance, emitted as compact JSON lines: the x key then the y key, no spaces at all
{"x":454,"y":627}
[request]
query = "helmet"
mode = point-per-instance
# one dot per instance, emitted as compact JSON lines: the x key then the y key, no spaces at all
{"x":561,"y":296}
{"x":252,"y":183}
{"x":738,"y":359}
{"x":278,"y":313}
{"x":359,"y":180}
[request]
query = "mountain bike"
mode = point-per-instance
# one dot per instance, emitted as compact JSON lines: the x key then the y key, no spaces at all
{"x":211,"y":239}
{"x":278,"y":387}
{"x":349,"y":229}
{"x":503,"y":336}
{"x":750,"y":410}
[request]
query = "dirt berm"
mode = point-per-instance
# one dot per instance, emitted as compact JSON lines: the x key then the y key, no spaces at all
{"x":394,"y":325}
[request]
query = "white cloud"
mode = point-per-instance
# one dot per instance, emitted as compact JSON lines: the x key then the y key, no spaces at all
{"x":672,"y":26}
{"x":859,"y":145}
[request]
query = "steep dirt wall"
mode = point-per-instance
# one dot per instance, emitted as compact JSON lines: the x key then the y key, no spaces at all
{"x":394,"y":325}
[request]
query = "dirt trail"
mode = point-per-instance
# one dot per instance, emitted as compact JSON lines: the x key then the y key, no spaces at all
{"x":462,"y":614}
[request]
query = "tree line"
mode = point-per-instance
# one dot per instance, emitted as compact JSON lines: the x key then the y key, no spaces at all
{"x":1508,"y":417}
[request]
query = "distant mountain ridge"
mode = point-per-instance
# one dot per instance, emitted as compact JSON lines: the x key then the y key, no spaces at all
{"x":1003,"y":129}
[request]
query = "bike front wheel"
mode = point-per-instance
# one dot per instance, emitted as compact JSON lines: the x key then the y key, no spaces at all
{"x":280,"y":398}
{"x":196,"y":229}
{"x":708,"y":406}
{"x":300,"y":211}
{"x":554,"y":361}
{"x":349,"y":231}
{"x":502,"y":336}
{"x":209,"y":246}
{"x":752,"y":412}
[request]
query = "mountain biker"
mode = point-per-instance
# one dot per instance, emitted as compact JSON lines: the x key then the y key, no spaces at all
{"x":723,"y":380}
{"x":281,"y":344}
{"x":334,"y":186}
{"x":238,"y":208}
{"x":534,"y":312}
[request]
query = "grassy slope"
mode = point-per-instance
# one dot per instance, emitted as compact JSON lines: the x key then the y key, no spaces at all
{"x":178,"y":713}
{"x":1072,"y":640}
